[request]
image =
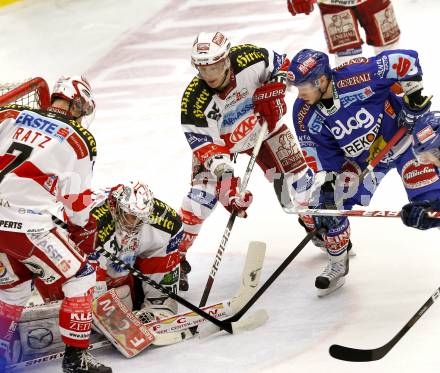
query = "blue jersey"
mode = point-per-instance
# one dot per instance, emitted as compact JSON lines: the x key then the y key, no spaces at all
{"x":364,"y":112}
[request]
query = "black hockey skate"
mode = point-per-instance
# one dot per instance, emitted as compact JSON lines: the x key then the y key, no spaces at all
{"x":185,"y":268}
{"x":333,"y":276}
{"x":79,"y":360}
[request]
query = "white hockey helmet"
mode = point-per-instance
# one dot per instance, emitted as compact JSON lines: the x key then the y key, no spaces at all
{"x":131,"y":205}
{"x":77,"y":91}
{"x":209,"y":48}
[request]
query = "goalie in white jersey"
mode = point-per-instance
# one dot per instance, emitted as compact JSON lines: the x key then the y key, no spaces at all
{"x":46,"y":161}
{"x":145,"y":233}
{"x":219,"y":117}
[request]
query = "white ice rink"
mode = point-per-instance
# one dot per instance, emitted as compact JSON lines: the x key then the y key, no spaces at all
{"x":136,"y":55}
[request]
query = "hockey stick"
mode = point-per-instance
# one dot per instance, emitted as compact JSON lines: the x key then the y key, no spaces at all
{"x":265,"y":286}
{"x":227,"y":325}
{"x":354,"y":354}
{"x":153,"y":283}
{"x":51,"y":357}
{"x":273,"y":277}
{"x":230,"y":224}
{"x":163,"y":290}
{"x":356,"y":213}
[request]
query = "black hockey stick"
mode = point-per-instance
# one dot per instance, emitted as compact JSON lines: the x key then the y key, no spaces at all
{"x":154,"y":284}
{"x":354,"y":354}
{"x":273,"y":277}
{"x":230,"y":224}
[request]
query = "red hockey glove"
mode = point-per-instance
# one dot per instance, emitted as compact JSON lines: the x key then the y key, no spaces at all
{"x":300,"y":6}
{"x":84,"y":237}
{"x":227,"y":192}
{"x":269,"y":103}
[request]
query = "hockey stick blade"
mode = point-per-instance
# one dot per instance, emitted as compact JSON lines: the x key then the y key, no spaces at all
{"x":354,"y":354}
{"x":359,"y":355}
{"x":251,"y":322}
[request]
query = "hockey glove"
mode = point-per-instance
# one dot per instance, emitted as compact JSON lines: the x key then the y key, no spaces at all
{"x":227,"y":192}
{"x":300,"y":6}
{"x":415,"y":214}
{"x":84,"y":237}
{"x":269,"y":103}
{"x":414,"y":106}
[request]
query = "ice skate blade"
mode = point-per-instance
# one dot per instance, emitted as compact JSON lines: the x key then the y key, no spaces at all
{"x":335,"y":286}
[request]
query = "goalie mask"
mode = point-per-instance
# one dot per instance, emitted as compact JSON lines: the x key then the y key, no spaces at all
{"x":131,"y":206}
{"x":210,"y":56}
{"x":77,"y":91}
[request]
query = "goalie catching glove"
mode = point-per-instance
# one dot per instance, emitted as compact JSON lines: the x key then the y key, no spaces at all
{"x":228,"y":195}
{"x":269,"y":103}
{"x":300,"y":6}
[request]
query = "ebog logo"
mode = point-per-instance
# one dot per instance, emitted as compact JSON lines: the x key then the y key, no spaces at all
{"x":243,"y":129}
{"x":362,"y":119}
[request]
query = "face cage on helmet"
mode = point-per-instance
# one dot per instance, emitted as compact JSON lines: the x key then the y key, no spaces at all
{"x":126,"y":221}
{"x":86,"y":109}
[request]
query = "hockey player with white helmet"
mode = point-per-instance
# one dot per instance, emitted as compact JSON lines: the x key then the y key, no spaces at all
{"x":144,"y":233}
{"x":46,"y":170}
{"x":220,"y":111}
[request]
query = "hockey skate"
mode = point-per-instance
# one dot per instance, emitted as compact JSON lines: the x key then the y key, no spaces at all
{"x":185,"y":268}
{"x":333,"y":276}
{"x":79,"y":360}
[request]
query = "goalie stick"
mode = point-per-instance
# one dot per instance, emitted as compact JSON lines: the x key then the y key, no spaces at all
{"x":358,"y":355}
{"x":269,"y":281}
{"x":230,"y":224}
{"x":130,"y":336}
{"x":176,"y":328}
{"x":226,"y":325}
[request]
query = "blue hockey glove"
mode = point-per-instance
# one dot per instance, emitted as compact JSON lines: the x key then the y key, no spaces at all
{"x":415,"y":214}
{"x":414,"y":106}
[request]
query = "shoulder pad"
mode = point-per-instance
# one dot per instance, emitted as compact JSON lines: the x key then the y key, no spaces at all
{"x":246,"y":55}
{"x":165,"y":218}
{"x":106,"y":225}
{"x":195,"y":100}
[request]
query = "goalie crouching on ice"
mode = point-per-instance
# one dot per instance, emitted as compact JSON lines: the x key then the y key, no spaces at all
{"x":144,"y":233}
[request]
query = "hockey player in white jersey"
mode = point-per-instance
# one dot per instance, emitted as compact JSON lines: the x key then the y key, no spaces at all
{"x":46,"y":160}
{"x":219,"y":117}
{"x":145,"y":233}
{"x":341,"y":20}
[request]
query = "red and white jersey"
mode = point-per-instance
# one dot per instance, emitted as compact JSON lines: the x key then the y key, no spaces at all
{"x":46,"y":163}
{"x":342,"y":2}
{"x":153,"y":250}
{"x":224,"y":122}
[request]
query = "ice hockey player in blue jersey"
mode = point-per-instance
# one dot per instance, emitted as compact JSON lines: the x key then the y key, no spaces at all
{"x":426,"y":147}
{"x":343,"y":118}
